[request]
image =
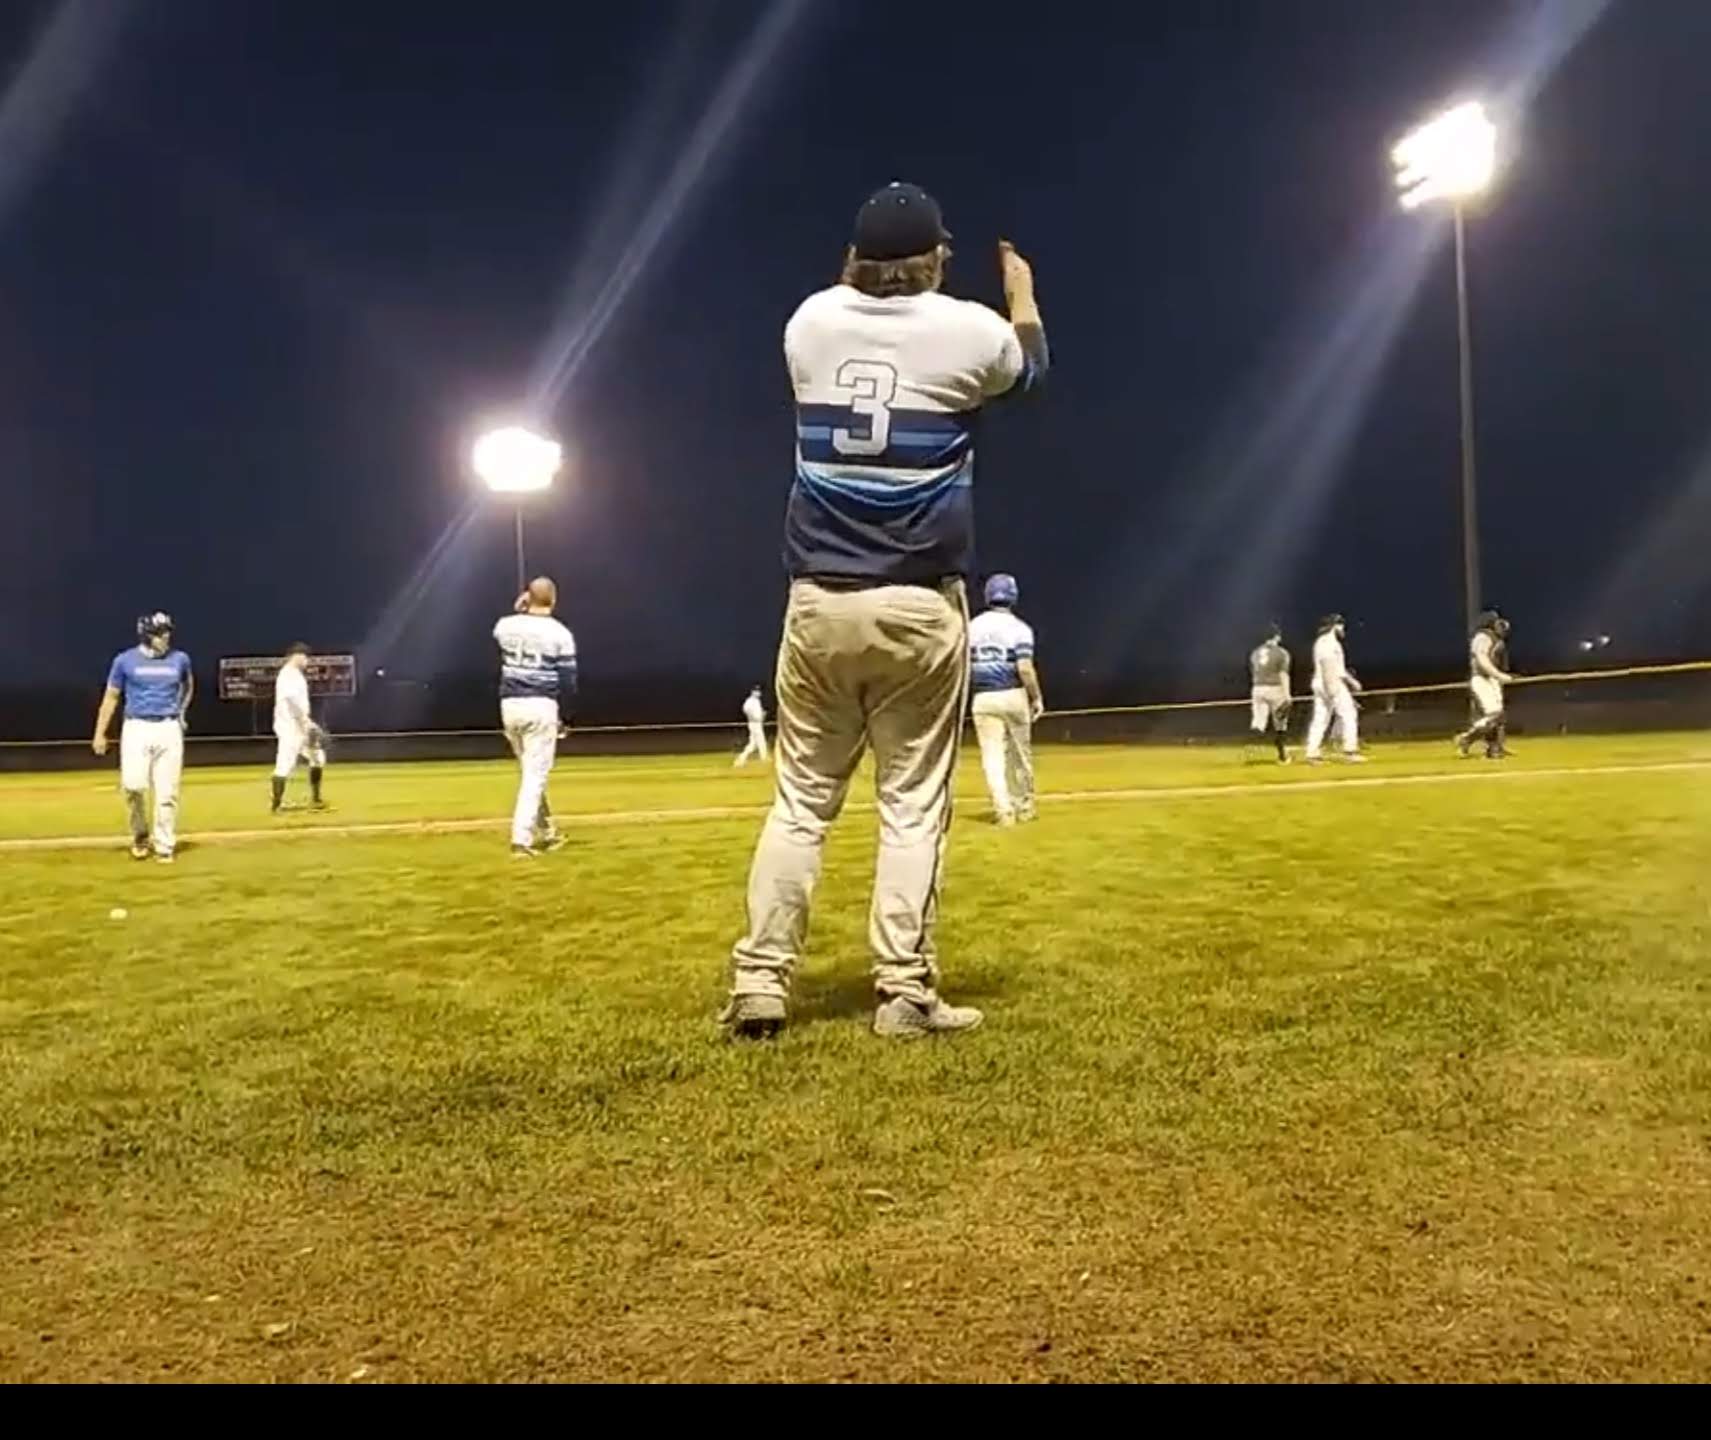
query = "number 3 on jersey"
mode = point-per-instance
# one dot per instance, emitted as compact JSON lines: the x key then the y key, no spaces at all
{"x":872,"y":385}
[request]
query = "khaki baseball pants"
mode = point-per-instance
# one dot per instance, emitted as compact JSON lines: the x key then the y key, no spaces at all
{"x":884,"y":666}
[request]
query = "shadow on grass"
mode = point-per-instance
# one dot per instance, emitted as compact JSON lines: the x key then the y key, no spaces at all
{"x":848,"y":994}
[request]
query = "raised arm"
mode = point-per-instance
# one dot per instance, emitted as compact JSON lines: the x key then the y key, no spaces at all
{"x":1024,"y":310}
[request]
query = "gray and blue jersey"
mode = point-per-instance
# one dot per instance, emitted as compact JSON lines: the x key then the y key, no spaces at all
{"x":998,"y":641}
{"x":537,"y":658}
{"x":153,"y":686}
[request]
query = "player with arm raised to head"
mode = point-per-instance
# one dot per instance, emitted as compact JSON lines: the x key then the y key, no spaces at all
{"x":888,"y":375}
{"x":1487,"y":661}
{"x":1268,"y":668}
{"x":754,"y":714}
{"x":295,"y":729}
{"x":156,"y":685}
{"x":1334,"y":691}
{"x":1007,"y":700}
{"x":537,"y":673}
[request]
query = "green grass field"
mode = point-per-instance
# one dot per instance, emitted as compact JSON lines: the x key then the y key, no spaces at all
{"x":1395,"y":1073}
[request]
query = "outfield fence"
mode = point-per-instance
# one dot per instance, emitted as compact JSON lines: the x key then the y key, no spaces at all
{"x":1674,"y":696}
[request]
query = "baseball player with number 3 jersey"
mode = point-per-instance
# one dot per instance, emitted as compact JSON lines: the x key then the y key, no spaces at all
{"x":888,"y":376}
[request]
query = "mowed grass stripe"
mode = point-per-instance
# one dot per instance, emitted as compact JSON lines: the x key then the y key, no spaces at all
{"x":567,"y":819}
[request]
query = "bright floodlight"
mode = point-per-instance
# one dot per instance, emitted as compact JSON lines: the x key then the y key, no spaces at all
{"x":515,"y":460}
{"x":1450,"y":158}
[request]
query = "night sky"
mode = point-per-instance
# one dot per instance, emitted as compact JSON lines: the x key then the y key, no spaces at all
{"x":268,"y":265}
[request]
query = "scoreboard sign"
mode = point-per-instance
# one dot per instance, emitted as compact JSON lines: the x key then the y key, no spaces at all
{"x":250,"y":677}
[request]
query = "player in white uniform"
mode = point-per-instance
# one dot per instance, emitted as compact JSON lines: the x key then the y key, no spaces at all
{"x":888,"y":375}
{"x":1487,"y":659}
{"x":1334,"y":691}
{"x":294,"y":727}
{"x":537,"y":671}
{"x":1007,"y":700}
{"x":1268,"y":669}
{"x":156,"y":684}
{"x":754,"y":713}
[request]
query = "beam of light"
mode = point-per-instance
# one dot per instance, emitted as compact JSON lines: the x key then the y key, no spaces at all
{"x":68,"y":55}
{"x":1660,"y":577}
{"x":379,"y":648}
{"x":1538,"y":38}
{"x":578,"y":330}
{"x":1256,"y":496}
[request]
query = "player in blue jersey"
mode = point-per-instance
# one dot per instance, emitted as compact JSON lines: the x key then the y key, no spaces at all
{"x":155,"y":684}
{"x":1007,"y":700}
{"x":537,"y":672}
{"x":889,"y":376}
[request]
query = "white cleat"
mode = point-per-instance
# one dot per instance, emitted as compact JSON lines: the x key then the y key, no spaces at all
{"x":523,"y":852}
{"x":1356,"y":758}
{"x":165,"y":857}
{"x":549,"y":843}
{"x":900,"y":1019}
{"x":140,"y":850}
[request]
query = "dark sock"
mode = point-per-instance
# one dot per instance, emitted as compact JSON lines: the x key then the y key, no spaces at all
{"x":1499,"y":732}
{"x":278,"y":791}
{"x":1279,"y":736}
{"x":315,"y":783}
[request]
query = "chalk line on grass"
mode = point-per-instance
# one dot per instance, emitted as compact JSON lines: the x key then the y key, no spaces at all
{"x":594,"y":818}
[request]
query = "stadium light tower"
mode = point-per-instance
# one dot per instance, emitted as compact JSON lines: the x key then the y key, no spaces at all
{"x":517,"y":462}
{"x":1454,"y":158}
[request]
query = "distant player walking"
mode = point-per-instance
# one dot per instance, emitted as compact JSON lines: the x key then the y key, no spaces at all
{"x":1334,"y":691}
{"x":294,"y":727}
{"x":1007,"y":700}
{"x":537,"y":671}
{"x":1268,"y":669}
{"x":156,"y":685}
{"x":754,"y":712}
{"x":1488,"y":658}
{"x":879,"y":534}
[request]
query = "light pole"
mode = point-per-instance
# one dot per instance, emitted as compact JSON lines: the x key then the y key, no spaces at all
{"x":1454,"y":158}
{"x":517,"y":462}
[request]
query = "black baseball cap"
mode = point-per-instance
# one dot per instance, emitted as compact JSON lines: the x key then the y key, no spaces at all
{"x":898,"y":221}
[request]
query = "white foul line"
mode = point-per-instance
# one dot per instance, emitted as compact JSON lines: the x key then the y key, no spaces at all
{"x":740,"y":812}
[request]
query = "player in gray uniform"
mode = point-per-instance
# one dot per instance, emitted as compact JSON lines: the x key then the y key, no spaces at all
{"x":1268,"y":666}
{"x":1488,"y":673}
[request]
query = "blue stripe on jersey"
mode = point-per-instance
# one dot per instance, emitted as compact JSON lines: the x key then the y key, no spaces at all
{"x":840,"y":523}
{"x":551,"y":681}
{"x":916,"y":440}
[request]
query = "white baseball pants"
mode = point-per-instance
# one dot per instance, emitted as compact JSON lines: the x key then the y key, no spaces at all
{"x":531,"y":727}
{"x":295,"y":745}
{"x":1004,"y":726}
{"x":756,"y":748}
{"x":1339,"y":706}
{"x":151,"y":757}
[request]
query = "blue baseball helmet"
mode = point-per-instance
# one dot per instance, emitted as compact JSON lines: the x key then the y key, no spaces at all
{"x":1001,"y":589}
{"x":153,"y":625}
